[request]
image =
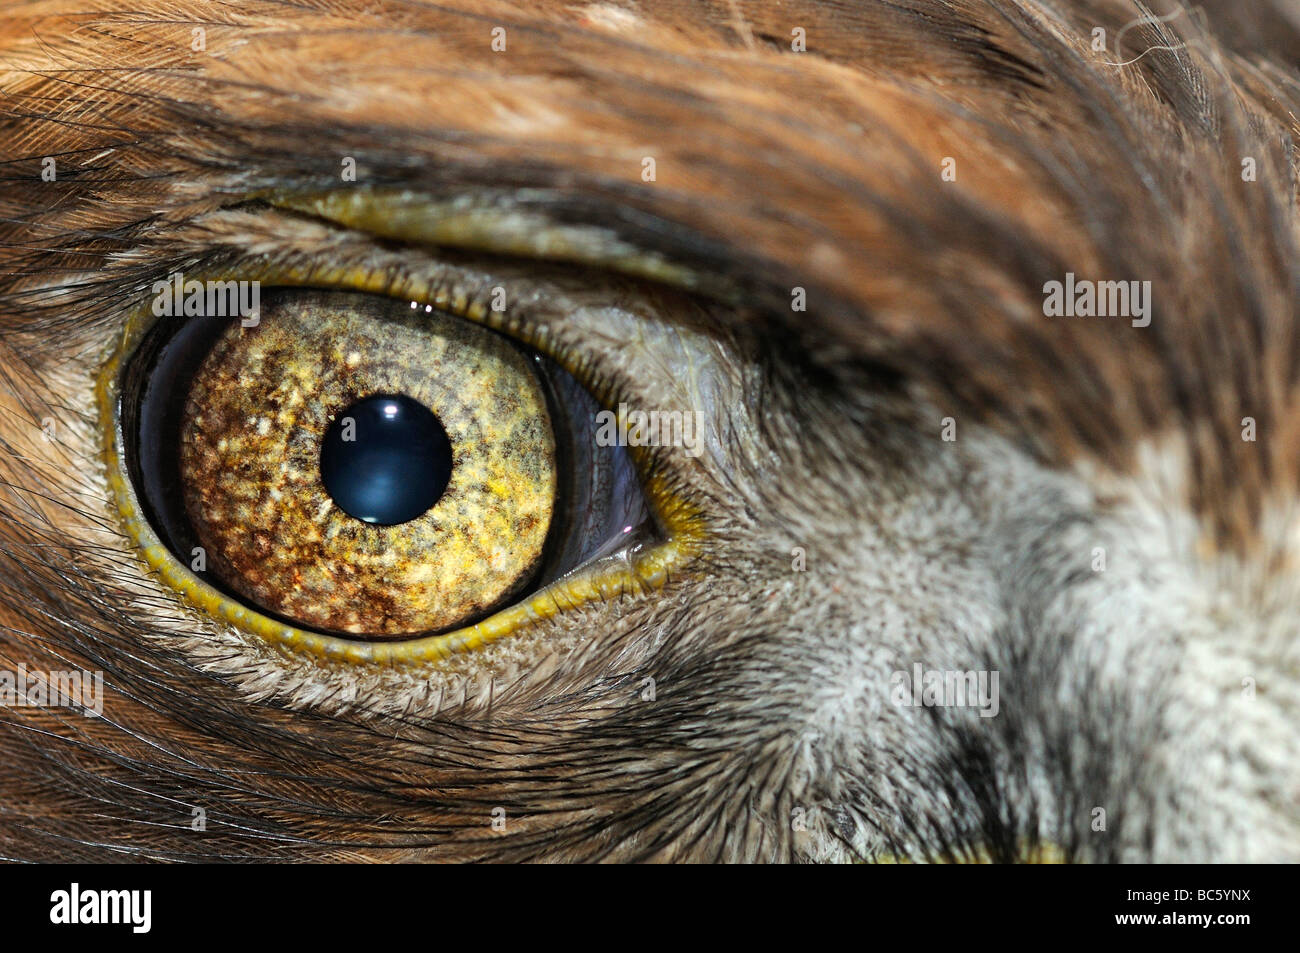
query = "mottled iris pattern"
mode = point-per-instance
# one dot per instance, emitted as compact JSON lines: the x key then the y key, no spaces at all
{"x":250,"y":460}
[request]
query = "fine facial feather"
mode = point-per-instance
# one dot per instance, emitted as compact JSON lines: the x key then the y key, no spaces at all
{"x":775,"y":169}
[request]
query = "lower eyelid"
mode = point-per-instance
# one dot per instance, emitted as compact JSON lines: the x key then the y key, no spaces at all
{"x":640,"y":569}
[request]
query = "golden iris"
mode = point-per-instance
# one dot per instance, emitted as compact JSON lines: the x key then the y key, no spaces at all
{"x":257,"y":411}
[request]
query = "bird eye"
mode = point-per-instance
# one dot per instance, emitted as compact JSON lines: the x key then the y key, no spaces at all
{"x":377,"y":469}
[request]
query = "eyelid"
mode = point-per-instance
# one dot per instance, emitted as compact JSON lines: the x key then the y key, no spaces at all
{"x":500,"y":223}
{"x":637,"y":571}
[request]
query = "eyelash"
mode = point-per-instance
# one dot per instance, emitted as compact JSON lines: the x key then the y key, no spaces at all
{"x":682,"y":524}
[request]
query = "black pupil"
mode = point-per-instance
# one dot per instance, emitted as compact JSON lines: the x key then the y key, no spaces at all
{"x":386,"y":459}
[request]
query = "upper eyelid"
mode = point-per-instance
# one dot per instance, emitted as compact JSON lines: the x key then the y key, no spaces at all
{"x":550,"y":307}
{"x":495,"y":223}
{"x":235,"y":236}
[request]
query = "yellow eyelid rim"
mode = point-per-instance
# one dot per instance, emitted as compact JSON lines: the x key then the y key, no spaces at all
{"x":645,"y":571}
